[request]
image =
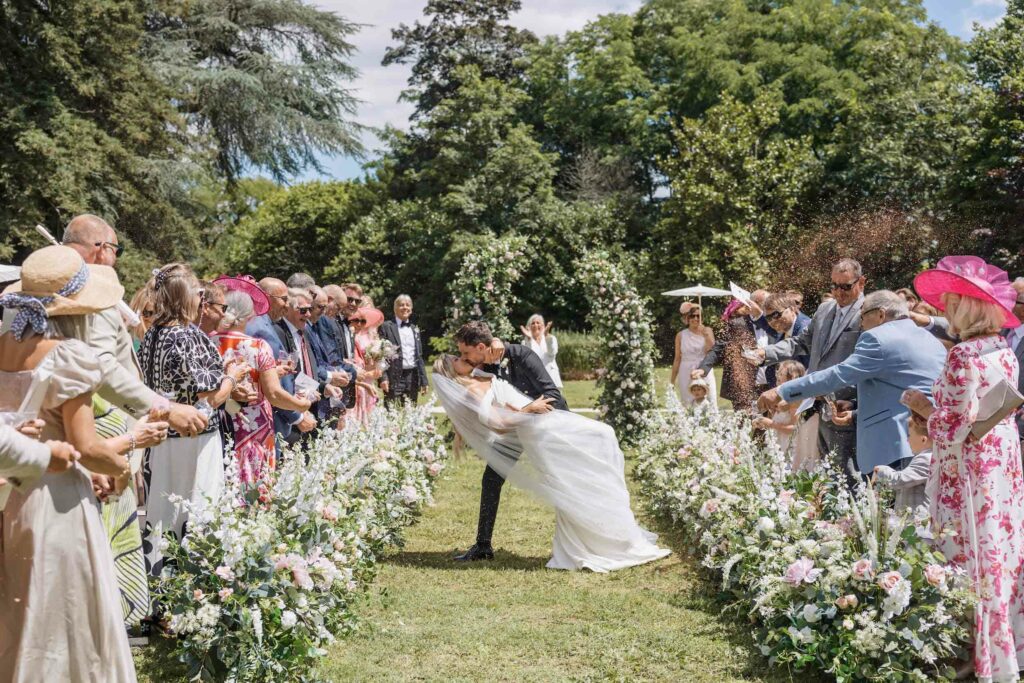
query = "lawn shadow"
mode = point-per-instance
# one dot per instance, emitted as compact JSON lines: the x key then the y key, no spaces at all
{"x":158,"y":661}
{"x":443,"y":560}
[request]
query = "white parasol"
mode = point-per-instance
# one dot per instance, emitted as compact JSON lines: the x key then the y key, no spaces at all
{"x":698,"y":291}
{"x":9,"y":273}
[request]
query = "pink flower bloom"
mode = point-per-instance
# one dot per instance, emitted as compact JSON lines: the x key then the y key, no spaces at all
{"x":786,"y":497}
{"x":301,"y":578}
{"x":889,"y":580}
{"x":330,"y":513}
{"x":847,"y":602}
{"x":197,"y":594}
{"x":225,"y":573}
{"x":862,"y":569}
{"x":800,"y":572}
{"x":435,"y":469}
{"x":935,"y":574}
{"x":225,"y":593}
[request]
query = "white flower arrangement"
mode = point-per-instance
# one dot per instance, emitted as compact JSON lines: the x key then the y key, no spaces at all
{"x":268,"y":575}
{"x":834,"y":580}
{"x":618,"y":314}
{"x":482,"y":290}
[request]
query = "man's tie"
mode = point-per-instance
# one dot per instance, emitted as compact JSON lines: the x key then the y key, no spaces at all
{"x":306,"y":365}
{"x":405,"y":324}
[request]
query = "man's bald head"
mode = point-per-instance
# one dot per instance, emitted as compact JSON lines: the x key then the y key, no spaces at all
{"x":93,"y":238}
{"x":277,"y":292}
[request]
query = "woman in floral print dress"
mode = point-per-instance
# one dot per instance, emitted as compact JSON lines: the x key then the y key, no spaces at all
{"x":977,"y":504}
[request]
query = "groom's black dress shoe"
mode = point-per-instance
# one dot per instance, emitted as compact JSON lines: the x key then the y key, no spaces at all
{"x":477,"y":552}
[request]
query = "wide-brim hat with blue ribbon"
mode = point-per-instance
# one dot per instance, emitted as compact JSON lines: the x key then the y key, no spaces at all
{"x":56,"y":281}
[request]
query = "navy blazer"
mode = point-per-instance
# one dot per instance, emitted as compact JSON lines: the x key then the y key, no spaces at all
{"x":801,"y":322}
{"x":261,"y":327}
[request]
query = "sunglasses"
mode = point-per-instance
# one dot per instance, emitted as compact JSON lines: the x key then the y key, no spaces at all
{"x":118,"y":248}
{"x":772,"y":317}
{"x":845,"y":288}
{"x":304,"y":310}
{"x":870,"y":310}
{"x":223,"y":307}
{"x":357,"y":320}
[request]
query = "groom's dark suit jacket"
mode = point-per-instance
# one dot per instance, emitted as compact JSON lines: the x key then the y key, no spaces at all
{"x":526,"y":372}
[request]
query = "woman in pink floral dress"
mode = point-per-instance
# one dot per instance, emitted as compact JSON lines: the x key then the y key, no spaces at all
{"x":978,"y":493}
{"x":364,"y":324}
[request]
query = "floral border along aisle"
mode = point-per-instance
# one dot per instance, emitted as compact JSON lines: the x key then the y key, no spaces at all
{"x":265,"y":579}
{"x":833,"y":580}
{"x":621,"y":320}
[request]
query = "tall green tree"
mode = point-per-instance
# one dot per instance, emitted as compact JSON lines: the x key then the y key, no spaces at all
{"x":459,"y":33}
{"x":264,"y":82}
{"x":84,"y":125}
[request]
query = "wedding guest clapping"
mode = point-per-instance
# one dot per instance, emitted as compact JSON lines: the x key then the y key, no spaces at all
{"x":183,"y":364}
{"x":692,"y":343}
{"x":977,"y":508}
{"x":538,"y":338}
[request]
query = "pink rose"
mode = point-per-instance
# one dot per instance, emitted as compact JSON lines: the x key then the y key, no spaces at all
{"x":862,"y":569}
{"x":709,"y":507}
{"x":801,"y":571}
{"x":786,"y":497}
{"x":330,"y":513}
{"x":225,"y":593}
{"x":225,"y":573}
{"x":935,"y":574}
{"x":435,"y":469}
{"x":847,"y":602}
{"x":889,"y":580}
{"x":301,"y":578}
{"x":197,"y":595}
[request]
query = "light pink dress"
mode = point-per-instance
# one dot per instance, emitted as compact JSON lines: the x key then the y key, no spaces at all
{"x":979,"y":495}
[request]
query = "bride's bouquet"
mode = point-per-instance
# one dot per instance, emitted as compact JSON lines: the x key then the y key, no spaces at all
{"x":380,"y":353}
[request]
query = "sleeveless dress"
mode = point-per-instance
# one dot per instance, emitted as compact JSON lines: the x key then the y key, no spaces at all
{"x":60,"y":614}
{"x":691,"y":353}
{"x":253,"y":423}
{"x":575,"y":464}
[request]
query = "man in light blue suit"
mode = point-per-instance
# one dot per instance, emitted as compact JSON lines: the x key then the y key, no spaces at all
{"x":892,"y":355}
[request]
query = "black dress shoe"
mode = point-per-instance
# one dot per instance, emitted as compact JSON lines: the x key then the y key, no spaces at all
{"x":477,"y":552}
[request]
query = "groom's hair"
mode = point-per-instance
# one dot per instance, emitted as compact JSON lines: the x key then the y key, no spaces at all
{"x":473,"y":333}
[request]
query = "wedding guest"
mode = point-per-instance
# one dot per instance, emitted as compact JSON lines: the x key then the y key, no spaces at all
{"x":183,"y":363}
{"x":738,"y":377}
{"x":538,"y":338}
{"x":254,"y":445}
{"x":1015,"y":340}
{"x":796,"y":297}
{"x":909,"y":296}
{"x":762,"y":333}
{"x":300,"y":281}
{"x":338,"y":310}
{"x":60,"y":618}
{"x":211,"y":310}
{"x":693,"y":342}
{"x":910,"y":483}
{"x":700,"y":396}
{"x":267,"y":327}
{"x":24,"y":459}
{"x":892,"y":355}
{"x":827,"y":341}
{"x":365,"y":323}
{"x":406,"y":373}
{"x":977,"y":507}
{"x":142,"y":303}
{"x":295,"y":326}
{"x":331,"y":369}
{"x":785,"y":421}
{"x":97,"y":243}
{"x":783,"y":316}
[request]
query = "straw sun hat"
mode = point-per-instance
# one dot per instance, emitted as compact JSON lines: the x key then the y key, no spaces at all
{"x":56,"y":281}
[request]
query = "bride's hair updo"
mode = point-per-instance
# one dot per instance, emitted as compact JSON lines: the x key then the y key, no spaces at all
{"x":445,"y":366}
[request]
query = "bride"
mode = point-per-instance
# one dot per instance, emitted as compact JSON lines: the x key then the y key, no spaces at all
{"x":570,"y":462}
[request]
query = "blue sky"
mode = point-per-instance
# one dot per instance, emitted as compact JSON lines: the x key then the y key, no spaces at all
{"x":378,"y":87}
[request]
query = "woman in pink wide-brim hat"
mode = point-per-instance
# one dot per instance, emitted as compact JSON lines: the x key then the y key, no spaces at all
{"x":976,"y":484}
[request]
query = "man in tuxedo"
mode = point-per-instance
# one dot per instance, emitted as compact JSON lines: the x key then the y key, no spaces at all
{"x":336,"y":317}
{"x":827,"y":341}
{"x":522,"y":368}
{"x":265,"y":327}
{"x":407,"y":374}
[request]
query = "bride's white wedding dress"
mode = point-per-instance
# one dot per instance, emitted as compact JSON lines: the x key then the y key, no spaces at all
{"x":571,"y":462}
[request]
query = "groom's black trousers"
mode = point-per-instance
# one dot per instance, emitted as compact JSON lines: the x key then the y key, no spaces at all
{"x":490,"y":496}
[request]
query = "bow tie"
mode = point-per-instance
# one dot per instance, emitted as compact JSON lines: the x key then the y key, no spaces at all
{"x":405,"y":324}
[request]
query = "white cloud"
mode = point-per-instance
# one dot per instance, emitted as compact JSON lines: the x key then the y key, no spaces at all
{"x":379,"y":87}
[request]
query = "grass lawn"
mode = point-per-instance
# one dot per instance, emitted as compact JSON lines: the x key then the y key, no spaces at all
{"x":429,"y":619}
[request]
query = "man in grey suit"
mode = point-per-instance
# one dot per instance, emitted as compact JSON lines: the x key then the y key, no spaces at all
{"x":827,"y":341}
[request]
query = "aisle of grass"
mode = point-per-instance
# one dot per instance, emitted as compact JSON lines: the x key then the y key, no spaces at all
{"x":430,"y":619}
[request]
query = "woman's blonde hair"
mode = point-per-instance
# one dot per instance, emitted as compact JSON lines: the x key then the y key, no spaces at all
{"x":174,"y":294}
{"x":141,"y":301}
{"x":445,"y":366}
{"x":972,"y":317}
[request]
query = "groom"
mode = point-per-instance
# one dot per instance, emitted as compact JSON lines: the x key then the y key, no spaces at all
{"x":522,"y":368}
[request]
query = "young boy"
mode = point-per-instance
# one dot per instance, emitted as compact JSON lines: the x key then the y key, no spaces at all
{"x":699,"y":391}
{"x":909,"y":483}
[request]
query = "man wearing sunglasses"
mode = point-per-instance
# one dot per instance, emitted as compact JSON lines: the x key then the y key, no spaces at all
{"x":827,"y":341}
{"x":96,"y":242}
{"x":783,"y":316}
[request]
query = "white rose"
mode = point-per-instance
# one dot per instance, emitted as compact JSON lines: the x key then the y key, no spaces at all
{"x":811,"y":614}
{"x":288,"y":619}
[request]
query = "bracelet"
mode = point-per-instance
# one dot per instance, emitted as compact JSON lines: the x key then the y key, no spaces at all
{"x":234,"y":382}
{"x":131,"y":442}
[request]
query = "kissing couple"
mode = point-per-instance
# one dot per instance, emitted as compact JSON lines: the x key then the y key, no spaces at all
{"x":502,"y":401}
